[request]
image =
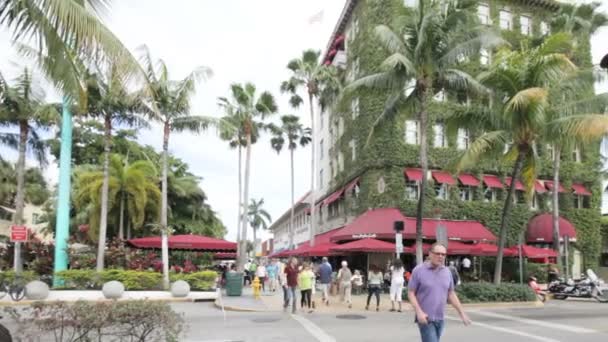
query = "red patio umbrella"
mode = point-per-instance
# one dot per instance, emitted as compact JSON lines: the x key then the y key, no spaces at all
{"x":532,"y":252}
{"x":195,"y":242}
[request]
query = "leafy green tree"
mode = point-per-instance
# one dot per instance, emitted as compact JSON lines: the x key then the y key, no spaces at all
{"x":251,"y":110}
{"x":259,"y":218}
{"x":424,"y":50}
{"x":294,"y":134}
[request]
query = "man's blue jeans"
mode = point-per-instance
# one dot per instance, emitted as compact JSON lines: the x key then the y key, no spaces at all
{"x":289,"y":294}
{"x":431,"y":332}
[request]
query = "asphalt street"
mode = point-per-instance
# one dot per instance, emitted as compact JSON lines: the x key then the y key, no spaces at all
{"x":570,"y":320}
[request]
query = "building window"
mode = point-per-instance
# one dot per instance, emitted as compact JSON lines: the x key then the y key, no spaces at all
{"x":576,"y":155}
{"x":340,"y":161}
{"x":354,"y":107}
{"x":440,"y":96}
{"x":412,"y":190}
{"x":483,"y":12}
{"x":412,"y":132}
{"x":354,"y":71}
{"x":332,"y":169}
{"x":484,"y":57}
{"x":439,"y":136}
{"x":489,"y":195}
{"x":321,"y":151}
{"x":463,"y":139}
{"x":441,"y":191}
{"x":544,"y":28}
{"x":525,"y":24}
{"x":353,"y":148}
{"x":340,"y":126}
{"x":410,"y":3}
{"x":354,"y":29}
{"x":534,"y":203}
{"x":579,"y":201}
{"x":506,"y":19}
{"x":409,"y":87}
{"x":321,"y":116}
{"x":321,"y":179}
{"x":466,"y":193}
{"x":550,"y":152}
{"x":35,"y":218}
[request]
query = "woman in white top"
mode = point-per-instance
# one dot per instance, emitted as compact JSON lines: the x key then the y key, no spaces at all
{"x":397,"y":281}
{"x":260,"y":272}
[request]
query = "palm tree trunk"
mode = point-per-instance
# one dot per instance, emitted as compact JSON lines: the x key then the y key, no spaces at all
{"x":163,"y":208}
{"x":313,"y":216}
{"x":128,"y":230}
{"x":291,"y":219}
{"x":240,"y":206}
{"x":255,"y":241}
{"x":20,"y":197}
{"x":121,"y":218}
{"x":242,"y":248}
{"x":519,"y":162}
{"x":103,"y":219}
{"x":555,"y":202}
{"x":424,"y":163}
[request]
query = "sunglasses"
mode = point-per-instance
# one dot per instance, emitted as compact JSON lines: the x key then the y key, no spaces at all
{"x":439,"y":254}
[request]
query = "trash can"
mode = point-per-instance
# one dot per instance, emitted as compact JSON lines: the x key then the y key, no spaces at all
{"x":234,"y":283}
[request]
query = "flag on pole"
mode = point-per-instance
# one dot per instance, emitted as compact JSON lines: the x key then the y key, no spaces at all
{"x":317,"y":18}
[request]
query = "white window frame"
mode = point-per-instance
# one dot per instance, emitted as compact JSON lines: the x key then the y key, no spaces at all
{"x":463,"y":140}
{"x":492,"y":196}
{"x":441,"y":191}
{"x":466,"y":193}
{"x":576,"y":155}
{"x":410,"y":3}
{"x":439,"y":139}
{"x":412,"y":132}
{"x":579,"y":201}
{"x":440,"y":96}
{"x":353,"y":148}
{"x":483,"y":13}
{"x":354,"y":69}
{"x":321,"y":153}
{"x":340,"y":161}
{"x":321,"y":179}
{"x":544,"y":28}
{"x":525,"y":24}
{"x":340,"y":127}
{"x":506,"y":19}
{"x":485,"y":58}
{"x":354,"y":107}
{"x":534,"y":202}
{"x":412,"y":190}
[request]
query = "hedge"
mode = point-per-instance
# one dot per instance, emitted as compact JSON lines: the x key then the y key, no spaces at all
{"x":204,"y":280}
{"x":8,"y":277}
{"x":486,"y":292}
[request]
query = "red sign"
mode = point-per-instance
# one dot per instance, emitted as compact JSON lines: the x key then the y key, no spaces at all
{"x":18,"y":233}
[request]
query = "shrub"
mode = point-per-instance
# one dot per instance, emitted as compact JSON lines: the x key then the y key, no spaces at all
{"x":486,"y":292}
{"x":132,"y":280}
{"x":9,"y":276}
{"x":79,"y":279}
{"x":204,"y":280}
{"x":96,"y":321}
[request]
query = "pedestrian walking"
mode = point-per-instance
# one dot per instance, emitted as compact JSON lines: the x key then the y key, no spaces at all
{"x":374,"y":284}
{"x":397,"y":280}
{"x":272,"y":270}
{"x":454,"y":272}
{"x":429,"y":289}
{"x":291,"y":272}
{"x":283,"y":282}
{"x":325,"y":272}
{"x":305,"y":282}
{"x":344,"y":279}
{"x":260,"y":272}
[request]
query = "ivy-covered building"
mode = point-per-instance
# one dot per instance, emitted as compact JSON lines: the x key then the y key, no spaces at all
{"x":355,"y":177}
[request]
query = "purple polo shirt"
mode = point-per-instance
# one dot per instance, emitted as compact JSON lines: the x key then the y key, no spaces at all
{"x":431,"y":286}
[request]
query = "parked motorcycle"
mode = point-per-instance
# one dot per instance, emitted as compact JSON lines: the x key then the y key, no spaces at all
{"x":588,"y":287}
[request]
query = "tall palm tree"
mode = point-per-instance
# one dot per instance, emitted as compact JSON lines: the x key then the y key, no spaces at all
{"x":309,"y":73}
{"x":251,"y":110}
{"x":22,"y":105}
{"x":584,"y":18}
{"x":294,"y":133}
{"x":423,"y":53}
{"x":109,"y":100}
{"x":520,"y":81}
{"x":259,"y":218}
{"x":169,"y":104}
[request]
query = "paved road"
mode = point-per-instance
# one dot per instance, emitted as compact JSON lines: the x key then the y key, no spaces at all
{"x":579,"y":321}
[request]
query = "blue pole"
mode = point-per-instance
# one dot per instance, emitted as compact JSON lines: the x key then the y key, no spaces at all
{"x":62,"y":227}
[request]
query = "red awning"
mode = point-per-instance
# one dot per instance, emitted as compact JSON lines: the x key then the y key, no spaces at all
{"x":378,"y":223}
{"x":580,"y":189}
{"x":460,"y":248}
{"x":351,"y":185}
{"x":492,"y":181}
{"x":443,"y":177}
{"x":468,"y":179}
{"x":333,"y":197}
{"x":224,"y":256}
{"x":518,"y":185}
{"x":487,"y":249}
{"x":321,"y":250}
{"x":540,"y":229}
{"x":532,"y":252}
{"x":368,"y":245}
{"x":549,"y":185}
{"x":197,"y":242}
{"x":539,"y":188}
{"x":413,"y":174}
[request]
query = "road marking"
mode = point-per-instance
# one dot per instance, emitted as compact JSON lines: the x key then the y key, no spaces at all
{"x":313,"y":329}
{"x":569,"y":328}
{"x":506,"y":330}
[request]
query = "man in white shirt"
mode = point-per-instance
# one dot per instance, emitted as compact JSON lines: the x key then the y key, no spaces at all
{"x":466,"y":265}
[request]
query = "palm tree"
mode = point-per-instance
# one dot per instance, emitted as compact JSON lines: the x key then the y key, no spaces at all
{"x":251,"y":111}
{"x":520,"y":81}
{"x":259,"y":218}
{"x":294,"y":132}
{"x":424,"y":50}
{"x":582,"y":18}
{"x":22,"y":106}
{"x":307,"y":72}
{"x":108,"y":99}
{"x":169,"y":104}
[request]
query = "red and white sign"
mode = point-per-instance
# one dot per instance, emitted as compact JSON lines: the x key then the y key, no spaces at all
{"x":18,"y":233}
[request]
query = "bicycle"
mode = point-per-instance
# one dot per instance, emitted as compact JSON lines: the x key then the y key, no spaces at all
{"x":15,"y":289}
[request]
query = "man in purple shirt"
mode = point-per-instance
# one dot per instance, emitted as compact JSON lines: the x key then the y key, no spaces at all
{"x":430,"y":287}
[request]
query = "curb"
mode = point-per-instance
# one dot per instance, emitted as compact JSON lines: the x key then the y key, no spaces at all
{"x":168,"y":300}
{"x":238,"y":309}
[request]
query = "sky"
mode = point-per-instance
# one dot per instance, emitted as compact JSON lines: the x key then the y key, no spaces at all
{"x":241,"y":41}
